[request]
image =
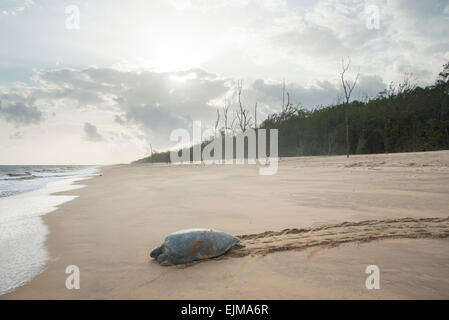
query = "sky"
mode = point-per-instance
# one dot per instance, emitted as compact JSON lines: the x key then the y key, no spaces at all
{"x":98,"y":82}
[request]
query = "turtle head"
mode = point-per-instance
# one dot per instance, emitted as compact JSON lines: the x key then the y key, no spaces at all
{"x":157,"y":251}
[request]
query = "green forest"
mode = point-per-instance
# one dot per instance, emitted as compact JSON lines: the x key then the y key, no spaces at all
{"x":402,"y":118}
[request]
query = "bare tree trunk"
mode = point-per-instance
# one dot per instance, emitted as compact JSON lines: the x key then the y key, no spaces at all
{"x":216,"y":123}
{"x":243,"y":117}
{"x":283,"y":95}
{"x":348,"y":87}
{"x":447,"y":135}
{"x":226,"y":107}
{"x":255,"y":116}
{"x":347,"y":131}
{"x":330,"y":142}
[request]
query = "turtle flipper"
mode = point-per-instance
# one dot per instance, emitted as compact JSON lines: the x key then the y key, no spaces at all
{"x":170,"y":258}
{"x":165,"y":259}
{"x":156,"y":252}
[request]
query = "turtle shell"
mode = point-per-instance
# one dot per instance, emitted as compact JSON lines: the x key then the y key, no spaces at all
{"x":193,"y":244}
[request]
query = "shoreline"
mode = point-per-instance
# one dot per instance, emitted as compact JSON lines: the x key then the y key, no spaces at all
{"x":109,"y":229}
{"x":26,"y":231}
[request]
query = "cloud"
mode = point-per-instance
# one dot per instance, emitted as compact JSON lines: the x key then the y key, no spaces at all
{"x":119,"y":120}
{"x":137,"y":91}
{"x":155,"y":102}
{"x":16,"y":135}
{"x":91,"y":132}
{"x":313,"y":40}
{"x":317,"y":93}
{"x":157,"y":119}
{"x":20,"y":114}
{"x":14,"y":7}
{"x":148,"y":105}
{"x":152,"y":103}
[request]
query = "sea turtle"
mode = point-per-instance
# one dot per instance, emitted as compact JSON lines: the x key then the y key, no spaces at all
{"x":193,"y":244}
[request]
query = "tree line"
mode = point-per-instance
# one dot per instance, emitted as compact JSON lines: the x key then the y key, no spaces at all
{"x":402,"y":118}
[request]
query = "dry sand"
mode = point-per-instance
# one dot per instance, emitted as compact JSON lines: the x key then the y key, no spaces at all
{"x":294,"y":244}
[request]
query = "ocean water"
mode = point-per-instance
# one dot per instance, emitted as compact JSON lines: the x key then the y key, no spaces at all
{"x":25,"y":196}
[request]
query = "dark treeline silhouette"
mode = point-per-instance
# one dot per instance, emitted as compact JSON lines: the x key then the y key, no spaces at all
{"x":237,"y":139}
{"x":402,"y":118}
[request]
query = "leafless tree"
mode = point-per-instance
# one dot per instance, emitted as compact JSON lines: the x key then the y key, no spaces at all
{"x":233,"y":124}
{"x":283,"y":95}
{"x":217,"y":122}
{"x":285,"y":106}
{"x":255,"y":116}
{"x":287,"y":109}
{"x":226,"y":106}
{"x":348,"y":88}
{"x":151,"y":152}
{"x":243,"y":117}
{"x":407,"y":84}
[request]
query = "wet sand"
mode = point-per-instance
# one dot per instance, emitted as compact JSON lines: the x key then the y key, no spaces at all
{"x":294,"y":245}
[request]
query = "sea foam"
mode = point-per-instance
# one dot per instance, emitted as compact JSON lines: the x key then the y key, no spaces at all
{"x":22,"y":231}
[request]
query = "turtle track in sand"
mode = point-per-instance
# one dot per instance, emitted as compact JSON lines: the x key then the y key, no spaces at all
{"x":336,"y":234}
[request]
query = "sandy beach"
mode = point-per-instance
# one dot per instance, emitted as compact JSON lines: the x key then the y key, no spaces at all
{"x":109,"y":230}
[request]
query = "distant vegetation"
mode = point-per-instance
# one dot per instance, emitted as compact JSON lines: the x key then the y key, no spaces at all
{"x":402,"y":118}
